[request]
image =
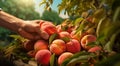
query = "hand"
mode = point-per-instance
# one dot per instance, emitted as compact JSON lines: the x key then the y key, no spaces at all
{"x":31,"y":30}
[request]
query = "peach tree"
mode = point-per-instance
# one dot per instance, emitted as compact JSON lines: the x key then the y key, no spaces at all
{"x":90,"y":39}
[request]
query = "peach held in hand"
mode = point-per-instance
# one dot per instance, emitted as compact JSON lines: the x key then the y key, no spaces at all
{"x":73,"y":46}
{"x":58,"y":47}
{"x":48,"y":27}
{"x":43,"y":57}
{"x":87,"y":39}
{"x":40,"y":44}
{"x":63,"y":57}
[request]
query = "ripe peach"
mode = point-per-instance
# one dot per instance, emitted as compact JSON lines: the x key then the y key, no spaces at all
{"x":87,"y":39}
{"x":40,"y":44}
{"x":64,"y":34}
{"x":48,"y":27}
{"x":73,"y":46}
{"x":28,"y":45}
{"x":94,"y":49}
{"x":43,"y":57}
{"x":63,"y":57}
{"x":58,"y":46}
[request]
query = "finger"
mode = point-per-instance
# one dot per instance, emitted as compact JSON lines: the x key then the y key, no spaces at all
{"x":44,"y":35}
{"x":25,"y":34}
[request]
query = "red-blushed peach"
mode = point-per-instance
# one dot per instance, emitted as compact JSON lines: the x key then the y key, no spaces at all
{"x":40,"y":44}
{"x":64,"y":56}
{"x":87,"y":39}
{"x":64,"y":34}
{"x":31,"y":53}
{"x":95,"y":49}
{"x":73,"y":46}
{"x":48,"y":27}
{"x":43,"y":57}
{"x":58,"y":46}
{"x":28,"y":45}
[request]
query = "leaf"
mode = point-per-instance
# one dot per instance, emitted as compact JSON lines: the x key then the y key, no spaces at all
{"x":52,"y":37}
{"x":52,"y":60}
{"x":78,"y":20}
{"x":91,"y":44}
{"x":82,"y":58}
{"x":43,"y":2}
{"x":82,"y":54}
{"x":66,"y":39}
{"x":109,"y":61}
{"x":18,"y":37}
{"x":103,"y":26}
{"x":116,"y":15}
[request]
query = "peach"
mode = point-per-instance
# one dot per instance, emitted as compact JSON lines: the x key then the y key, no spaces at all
{"x":43,"y":57}
{"x":28,"y":45}
{"x":87,"y":39}
{"x":94,"y":49}
{"x":58,"y":46}
{"x":63,"y":57}
{"x":40,"y":44}
{"x":64,"y":34}
{"x":48,"y":27}
{"x":73,"y":46}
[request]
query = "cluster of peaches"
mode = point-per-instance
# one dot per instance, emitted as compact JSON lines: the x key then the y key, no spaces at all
{"x":64,"y":45}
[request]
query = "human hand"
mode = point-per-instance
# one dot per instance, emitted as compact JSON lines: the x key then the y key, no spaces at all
{"x":31,"y":30}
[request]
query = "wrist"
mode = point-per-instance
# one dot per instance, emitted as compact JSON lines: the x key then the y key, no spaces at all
{"x":10,"y":22}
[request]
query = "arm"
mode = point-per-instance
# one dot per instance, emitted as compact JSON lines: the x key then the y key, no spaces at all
{"x":10,"y":22}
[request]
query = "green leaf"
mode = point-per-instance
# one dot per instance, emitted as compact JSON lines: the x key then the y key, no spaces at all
{"x":78,"y":20}
{"x":52,"y":60}
{"x":52,"y":37}
{"x":82,"y":58}
{"x":116,"y":15}
{"x":78,"y":57}
{"x":91,"y":44}
{"x":66,"y":39}
{"x":43,"y":2}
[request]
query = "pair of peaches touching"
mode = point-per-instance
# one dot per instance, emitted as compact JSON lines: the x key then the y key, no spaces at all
{"x":41,"y":50}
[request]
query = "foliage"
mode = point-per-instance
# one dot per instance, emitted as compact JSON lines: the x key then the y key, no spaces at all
{"x":105,"y":24}
{"x":16,"y":8}
{"x":51,"y":16}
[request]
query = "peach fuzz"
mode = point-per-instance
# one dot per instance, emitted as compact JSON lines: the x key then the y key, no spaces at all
{"x":40,"y":44}
{"x":48,"y":27}
{"x":73,"y":46}
{"x":64,"y":34}
{"x":43,"y":57}
{"x":58,"y":46}
{"x":63,"y":57}
{"x":87,"y":39}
